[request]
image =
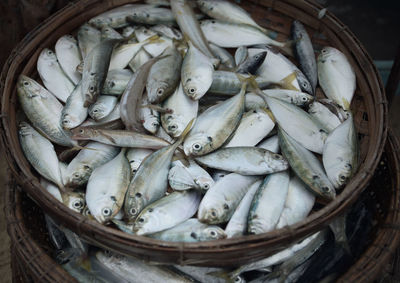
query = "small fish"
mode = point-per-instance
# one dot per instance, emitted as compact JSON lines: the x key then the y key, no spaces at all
{"x":69,"y":57}
{"x":103,"y":106}
{"x":74,"y":112}
{"x":244,"y":160}
{"x":116,"y":81}
{"x":53,"y":77}
{"x":168,"y":31}
{"x":136,"y":156}
{"x":224,"y":56}
{"x":297,"y":98}
{"x":109,"y":33}
{"x":40,"y":153}
{"x":221,"y":200}
{"x":340,"y":154}
{"x":88,"y":38}
{"x":190,"y":231}
{"x":167,"y":212}
{"x":157,"y":47}
{"x":322,"y":113}
{"x":271,"y":144}
{"x":107,"y":186}
{"x":336,"y":76}
{"x":268,"y":203}
{"x":251,"y":64}
{"x":152,"y":16}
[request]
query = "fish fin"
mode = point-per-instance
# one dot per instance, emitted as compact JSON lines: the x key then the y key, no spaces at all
{"x":286,"y":82}
{"x":227,"y":276}
{"x":269,"y":113}
{"x":79,"y":68}
{"x":185,"y":132}
{"x":153,"y":39}
{"x":338,"y":227}
{"x":180,"y":155}
{"x":158,"y":108}
{"x":78,"y":147}
{"x":322,"y":13}
{"x":110,"y":138}
{"x":287,"y":48}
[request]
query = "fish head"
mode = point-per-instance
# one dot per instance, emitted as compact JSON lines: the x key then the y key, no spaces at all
{"x":196,"y":87}
{"x":213,"y":213}
{"x":75,"y":201}
{"x":204,"y":183}
{"x":303,"y":99}
{"x":304,"y":84}
{"x":69,"y":121}
{"x":83,"y":133}
{"x":25,"y":129}
{"x":157,"y":91}
{"x":328,"y":54}
{"x":174,"y":124}
{"x":259,"y":58}
{"x":148,"y":215}
{"x":135,"y":163}
{"x":325,"y":187}
{"x":339,"y":172}
{"x":100,"y":22}
{"x":212,"y":233}
{"x":276,"y":161}
{"x":133,"y":206}
{"x":139,"y":15}
{"x":198,"y":144}
{"x":151,"y":124}
{"x":104,"y":208}
{"x":28,"y":88}
{"x":97,"y":111}
{"x":48,"y":56}
{"x":79,"y":176}
{"x":90,"y":88}
{"x":205,"y":5}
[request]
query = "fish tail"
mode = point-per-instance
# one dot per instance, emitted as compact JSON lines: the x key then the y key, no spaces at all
{"x":287,"y":48}
{"x":269,"y":113}
{"x":154,"y":39}
{"x":286,"y":82}
{"x":185,"y":132}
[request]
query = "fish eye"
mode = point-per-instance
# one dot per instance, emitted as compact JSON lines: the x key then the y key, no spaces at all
{"x":150,"y":210}
{"x":342,"y":178}
{"x":76,"y":175}
{"x":49,"y":52}
{"x":304,"y":98}
{"x":196,"y":146}
{"x":106,"y":211}
{"x":213,"y":22}
{"x":81,"y":131}
{"x":304,"y":84}
{"x":193,"y":235}
{"x":172,"y":127}
{"x":277,"y":156}
{"x":206,"y":186}
{"x":238,"y":279}
{"x":77,"y":204}
{"x":87,"y":167}
{"x":324,"y":51}
{"x":325,"y":189}
{"x":213,"y":213}
{"x":192,"y":90}
{"x":160,"y":91}
{"x":132,"y":211}
{"x":141,"y":220}
{"x":155,"y":124}
{"x":213,"y":234}
{"x":226,"y":206}
{"x":92,"y":74}
{"x":348,"y":166}
{"x":91,"y":88}
{"x":65,"y":121}
{"x":95,"y":111}
{"x":26,"y":83}
{"x":138,"y":195}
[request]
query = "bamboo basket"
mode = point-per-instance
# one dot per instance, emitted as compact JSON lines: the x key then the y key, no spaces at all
{"x":369,"y":109}
{"x":26,"y":228}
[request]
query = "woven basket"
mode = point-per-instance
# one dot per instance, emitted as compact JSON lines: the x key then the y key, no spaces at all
{"x":26,"y":227}
{"x":30,"y":245}
{"x":369,"y":107}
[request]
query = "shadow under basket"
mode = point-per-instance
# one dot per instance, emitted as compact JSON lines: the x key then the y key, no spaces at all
{"x":31,"y":247}
{"x":369,"y":108}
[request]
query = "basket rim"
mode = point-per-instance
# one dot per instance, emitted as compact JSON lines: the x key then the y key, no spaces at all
{"x":93,"y":229}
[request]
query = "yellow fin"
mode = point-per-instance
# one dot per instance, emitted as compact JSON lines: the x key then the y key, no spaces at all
{"x":286,"y":82}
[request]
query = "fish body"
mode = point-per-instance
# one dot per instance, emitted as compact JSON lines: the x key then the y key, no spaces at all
{"x":74,"y":112}
{"x":69,"y":57}
{"x":271,"y":144}
{"x":116,"y":81}
{"x":88,"y":38}
{"x":321,"y":113}
{"x":136,"y":156}
{"x":103,"y":106}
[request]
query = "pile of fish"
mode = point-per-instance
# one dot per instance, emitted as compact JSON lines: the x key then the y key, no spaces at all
{"x":161,"y":131}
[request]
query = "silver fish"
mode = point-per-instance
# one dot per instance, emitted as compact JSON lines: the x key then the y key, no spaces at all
{"x":251,"y":64}
{"x":168,"y":31}
{"x":156,"y":48}
{"x":107,"y":186}
{"x":221,"y":200}
{"x":340,"y":154}
{"x":223,"y":55}
{"x":43,"y":110}
{"x":136,"y":156}
{"x":69,"y":57}
{"x":110,"y":33}
{"x":321,"y":113}
{"x":116,"y":81}
{"x":306,"y":166}
{"x":103,"y":106}
{"x":244,"y":160}
{"x":74,"y":113}
{"x":167,"y":212}
{"x":271,"y":144}
{"x":53,"y":77}
{"x":149,"y":116}
{"x":88,"y":38}
{"x":140,"y":58}
{"x":152,"y":16}
{"x":40,"y":153}
{"x":268,"y":203}
{"x":297,"y":98}
{"x":190,"y":231}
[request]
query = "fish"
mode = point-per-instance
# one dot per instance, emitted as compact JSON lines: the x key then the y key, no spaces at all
{"x":251,"y":64}
{"x":167,"y":212}
{"x":108,"y":32}
{"x":164,"y":75}
{"x":233,"y":35}
{"x":154,"y":49}
{"x":190,"y":231}
{"x":268,"y":203}
{"x":253,"y":102}
{"x":152,"y":16}
{"x":43,"y":110}
{"x":149,"y":115}
{"x":143,"y":190}
{"x":40,"y":153}
{"x":244,"y":160}
{"x":221,"y":200}
{"x":117,"y":17}
{"x":306,"y":166}
{"x":229,"y":12}
{"x":139,"y":59}
{"x":190,"y":28}
{"x":223,"y":56}
{"x":136,"y":156}
{"x":196,"y":73}
{"x":300,"y":125}
{"x":322,"y":113}
{"x":95,"y":69}
{"x":340,"y":155}
{"x":336,"y":76}
{"x":88,"y":38}
{"x":103,"y":106}
{"x":254,"y":126}
{"x":183,"y":109}
{"x":52,"y":76}
{"x":74,"y":112}
{"x":237,"y":225}
{"x":228,"y":83}
{"x":208,"y":134}
{"x":180,"y":179}
{"x":241,"y":54}
{"x":304,"y":53}
{"x":69,"y":57}
{"x":297,"y":98}
{"x":81,"y":167}
{"x":121,"y":138}
{"x":168,"y":31}
{"x":107,"y":186}
{"x":298,"y":204}
{"x":116,"y":81}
